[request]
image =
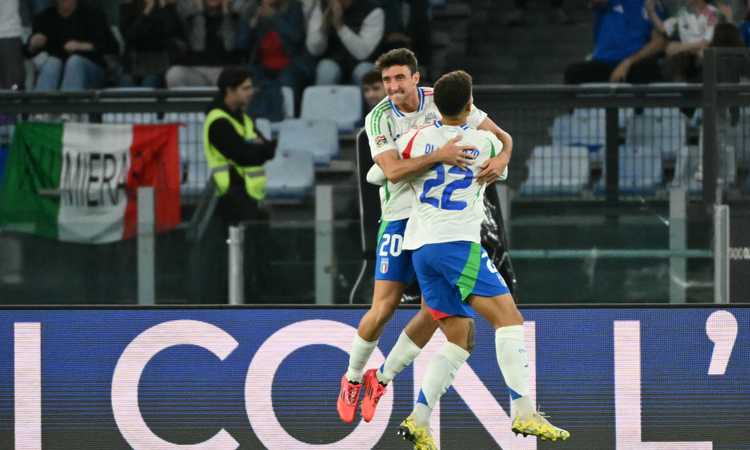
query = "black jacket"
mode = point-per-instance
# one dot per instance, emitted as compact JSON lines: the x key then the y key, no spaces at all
{"x":85,"y":24}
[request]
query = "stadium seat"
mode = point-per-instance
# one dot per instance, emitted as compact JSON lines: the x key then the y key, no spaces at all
{"x":317,"y":137}
{"x":557,"y":170}
{"x":130,"y":117}
{"x":585,"y":126}
{"x":288,"y":94}
{"x":192,"y":157}
{"x":342,"y":104}
{"x":264,"y":127}
{"x":640,"y":170}
{"x":733,"y":154}
{"x":290,"y":174}
{"x":662,"y":129}
{"x":582,"y":127}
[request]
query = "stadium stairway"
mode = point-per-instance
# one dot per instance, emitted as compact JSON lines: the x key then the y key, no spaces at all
{"x":536,"y":53}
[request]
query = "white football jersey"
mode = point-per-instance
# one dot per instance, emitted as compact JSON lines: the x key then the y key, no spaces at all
{"x":384,"y":125}
{"x":448,"y":203}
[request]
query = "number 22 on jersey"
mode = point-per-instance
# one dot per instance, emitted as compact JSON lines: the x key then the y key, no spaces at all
{"x":445,"y":202}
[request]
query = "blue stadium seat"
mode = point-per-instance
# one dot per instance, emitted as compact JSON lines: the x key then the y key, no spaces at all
{"x":342,"y":104}
{"x":290,"y":174}
{"x":192,"y":157}
{"x":557,"y":170}
{"x":317,"y":137}
{"x":584,"y":126}
{"x":662,"y":129}
{"x":288,"y":94}
{"x":641,"y":170}
{"x":264,"y":127}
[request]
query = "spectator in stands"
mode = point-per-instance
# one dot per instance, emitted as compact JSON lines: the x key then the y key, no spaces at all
{"x":745,"y":28}
{"x":372,"y":89}
{"x":517,"y":16}
{"x":12,"y":73}
{"x":235,"y":153}
{"x":211,"y":28}
{"x":726,"y":35}
{"x":692,"y":29}
{"x":729,"y":69}
{"x":345,"y":34}
{"x":726,"y":13}
{"x":274,"y":33}
{"x":626,"y":47}
{"x":69,"y":42}
{"x":153,"y":36}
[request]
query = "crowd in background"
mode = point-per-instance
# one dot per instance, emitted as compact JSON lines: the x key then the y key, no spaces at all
{"x":73,"y":45}
{"x":84,"y":44}
{"x":647,"y":41}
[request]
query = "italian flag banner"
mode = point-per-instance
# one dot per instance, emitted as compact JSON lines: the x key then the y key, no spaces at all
{"x":78,"y":182}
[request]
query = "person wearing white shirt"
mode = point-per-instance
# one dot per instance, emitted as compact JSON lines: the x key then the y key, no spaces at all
{"x":690,"y":30}
{"x":344,"y":34}
{"x":454,"y":271}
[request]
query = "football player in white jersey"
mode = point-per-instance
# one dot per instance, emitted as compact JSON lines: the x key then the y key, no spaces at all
{"x":456,"y":275}
{"x":406,"y":107}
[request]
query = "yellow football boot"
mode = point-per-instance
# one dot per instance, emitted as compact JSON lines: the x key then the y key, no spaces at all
{"x":536,"y":424}
{"x":419,"y":436}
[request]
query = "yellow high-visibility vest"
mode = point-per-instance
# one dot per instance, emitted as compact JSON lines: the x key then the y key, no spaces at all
{"x":254,"y":176}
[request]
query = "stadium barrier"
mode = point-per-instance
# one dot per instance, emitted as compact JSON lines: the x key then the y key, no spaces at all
{"x":224,"y":378}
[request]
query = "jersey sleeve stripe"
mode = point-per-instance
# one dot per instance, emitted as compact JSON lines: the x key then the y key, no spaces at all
{"x":374,"y":124}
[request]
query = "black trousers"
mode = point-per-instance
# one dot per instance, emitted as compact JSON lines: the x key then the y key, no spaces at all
{"x":644,"y":71}
{"x":12,"y":71}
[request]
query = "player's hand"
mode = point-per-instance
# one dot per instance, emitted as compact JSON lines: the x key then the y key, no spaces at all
{"x":454,"y":154}
{"x":493,"y":169}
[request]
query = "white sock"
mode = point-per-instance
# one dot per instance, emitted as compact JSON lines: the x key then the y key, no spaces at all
{"x":402,"y":354}
{"x":514,"y":365}
{"x":437,"y":379}
{"x":358,"y":356}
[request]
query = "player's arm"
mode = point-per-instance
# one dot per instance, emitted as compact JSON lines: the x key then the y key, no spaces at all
{"x":397,"y":169}
{"x":385,"y":151}
{"x":376,"y":176}
{"x":494,"y":168}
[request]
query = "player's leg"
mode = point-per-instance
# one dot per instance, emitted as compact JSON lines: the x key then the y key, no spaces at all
{"x":410,"y":342}
{"x":510,"y":349}
{"x":439,"y":376}
{"x":386,"y":298}
{"x":444,"y":304}
{"x":413,"y":338}
{"x":393,"y":273}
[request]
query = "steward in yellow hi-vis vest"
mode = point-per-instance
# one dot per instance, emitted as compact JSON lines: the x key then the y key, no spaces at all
{"x":235,"y":152}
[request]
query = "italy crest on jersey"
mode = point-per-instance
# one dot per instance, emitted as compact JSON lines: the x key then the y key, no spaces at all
{"x":384,"y":265}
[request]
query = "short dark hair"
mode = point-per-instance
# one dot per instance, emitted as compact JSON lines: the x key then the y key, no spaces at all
{"x":372,"y":77}
{"x":452,"y":92}
{"x":397,"y":57}
{"x":231,"y":77}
